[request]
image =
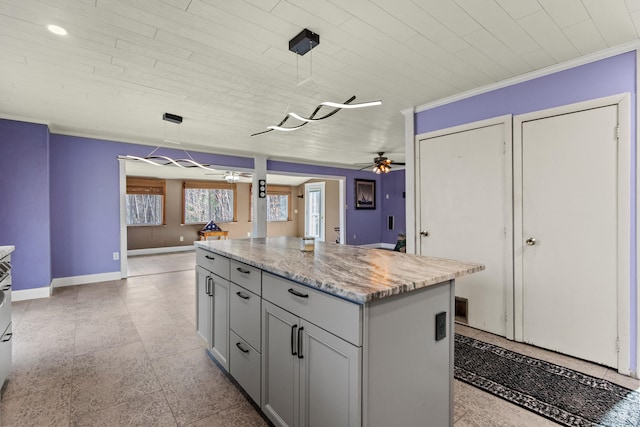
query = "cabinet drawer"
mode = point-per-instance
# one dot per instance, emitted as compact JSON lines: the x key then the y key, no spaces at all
{"x":215,"y":263}
{"x":245,"y":366}
{"x":338,"y":316}
{"x":245,"y":314}
{"x":246,"y":276}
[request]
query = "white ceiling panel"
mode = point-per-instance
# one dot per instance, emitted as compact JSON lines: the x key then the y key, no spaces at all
{"x":549,"y":35}
{"x":613,"y":21}
{"x":520,"y":8}
{"x":226,"y":68}
{"x":496,"y":21}
{"x":585,"y":37}
{"x":566,"y":13}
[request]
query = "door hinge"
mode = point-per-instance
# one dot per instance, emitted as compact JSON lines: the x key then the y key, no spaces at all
{"x":617,"y":345}
{"x":617,"y":132}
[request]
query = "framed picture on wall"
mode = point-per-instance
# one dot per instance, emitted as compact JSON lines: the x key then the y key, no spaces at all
{"x":365,"y":194}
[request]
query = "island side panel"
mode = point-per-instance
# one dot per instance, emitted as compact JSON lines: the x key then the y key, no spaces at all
{"x":408,"y":375}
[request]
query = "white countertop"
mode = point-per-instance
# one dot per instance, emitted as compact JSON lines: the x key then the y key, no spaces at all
{"x":6,"y":250}
{"x":354,"y":273}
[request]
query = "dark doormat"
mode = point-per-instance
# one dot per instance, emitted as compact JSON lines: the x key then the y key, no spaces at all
{"x":560,"y":394}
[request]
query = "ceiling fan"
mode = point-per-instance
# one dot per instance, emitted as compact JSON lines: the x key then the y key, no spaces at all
{"x":382,"y":164}
{"x":233,"y":176}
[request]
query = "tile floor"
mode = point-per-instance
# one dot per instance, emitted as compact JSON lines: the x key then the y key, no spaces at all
{"x":126,"y":353}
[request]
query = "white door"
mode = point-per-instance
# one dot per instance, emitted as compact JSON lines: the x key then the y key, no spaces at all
{"x":569,"y":233}
{"x":466,"y":208}
{"x":314,"y":210}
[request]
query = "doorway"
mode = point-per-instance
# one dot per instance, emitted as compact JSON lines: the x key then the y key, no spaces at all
{"x":314,"y":212}
{"x":465,"y":212}
{"x":572,"y":238}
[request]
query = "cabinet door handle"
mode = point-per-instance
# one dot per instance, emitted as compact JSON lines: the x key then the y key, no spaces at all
{"x":243,"y":271}
{"x":298,"y":294}
{"x":244,"y":350}
{"x":293,"y":338}
{"x":206,"y":286}
{"x":242,"y":295}
{"x":210,"y":257}
{"x":6,"y":288}
{"x":7,"y":337}
{"x":300,"y":342}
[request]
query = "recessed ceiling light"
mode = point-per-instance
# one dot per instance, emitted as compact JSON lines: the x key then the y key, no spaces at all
{"x":55,"y":29}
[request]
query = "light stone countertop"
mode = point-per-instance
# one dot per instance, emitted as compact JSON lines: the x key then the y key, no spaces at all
{"x":354,"y":273}
{"x":6,"y":250}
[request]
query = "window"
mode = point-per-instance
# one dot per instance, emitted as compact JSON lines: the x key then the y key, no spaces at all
{"x":145,"y":201}
{"x":206,"y":201}
{"x":278,"y":203}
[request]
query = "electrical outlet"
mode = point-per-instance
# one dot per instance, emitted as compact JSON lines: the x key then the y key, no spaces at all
{"x":354,"y":236}
{"x":441,"y":325}
{"x":182,"y":238}
{"x":248,"y":234}
{"x":116,"y":256}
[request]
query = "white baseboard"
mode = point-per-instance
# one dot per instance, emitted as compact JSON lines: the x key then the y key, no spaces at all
{"x":81,"y":280}
{"x":153,"y":251}
{"x":379,"y":246}
{"x":26,"y":294}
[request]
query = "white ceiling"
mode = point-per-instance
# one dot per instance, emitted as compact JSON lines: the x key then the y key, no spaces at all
{"x":224,"y":65}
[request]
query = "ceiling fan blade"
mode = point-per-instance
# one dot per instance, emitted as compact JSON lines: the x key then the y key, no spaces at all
{"x":366,"y":167}
{"x":398,"y":163}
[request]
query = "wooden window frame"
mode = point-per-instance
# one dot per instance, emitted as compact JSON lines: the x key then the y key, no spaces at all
{"x":210,"y":185}
{"x":143,"y":185}
{"x":278,"y":190}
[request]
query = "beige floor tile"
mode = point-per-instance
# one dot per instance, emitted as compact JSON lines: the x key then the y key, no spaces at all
{"x":146,"y":410}
{"x":40,"y":408}
{"x":481,"y":409}
{"x":242,"y":414}
{"x":109,"y":377}
{"x":96,"y":335}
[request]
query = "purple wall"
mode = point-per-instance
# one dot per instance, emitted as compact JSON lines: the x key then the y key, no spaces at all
{"x":598,"y":79}
{"x":362,"y":226}
{"x":393,"y":185}
{"x":24,"y":201}
{"x":85,"y":213}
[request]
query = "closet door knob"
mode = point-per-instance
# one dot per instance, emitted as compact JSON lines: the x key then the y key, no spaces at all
{"x":531,"y":241}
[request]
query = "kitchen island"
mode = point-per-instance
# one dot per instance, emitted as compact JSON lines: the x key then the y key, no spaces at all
{"x":342,"y":335}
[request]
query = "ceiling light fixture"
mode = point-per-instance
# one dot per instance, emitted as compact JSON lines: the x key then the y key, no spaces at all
{"x":312,"y":118}
{"x":158,"y":160}
{"x":55,"y":29}
{"x":231,"y":177}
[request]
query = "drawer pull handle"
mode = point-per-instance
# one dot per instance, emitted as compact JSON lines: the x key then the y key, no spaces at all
{"x":300,"y":342}
{"x":243,"y":271}
{"x":242,"y":295}
{"x":298,"y":294}
{"x":244,"y":350}
{"x":210,"y":257}
{"x":293,"y":339}
{"x":7,"y":337}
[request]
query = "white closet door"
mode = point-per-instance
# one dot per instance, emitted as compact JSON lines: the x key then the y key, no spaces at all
{"x":569,"y":206}
{"x":466,"y":208}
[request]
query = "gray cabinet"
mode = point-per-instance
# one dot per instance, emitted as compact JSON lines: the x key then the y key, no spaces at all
{"x":212,"y":302}
{"x":5,"y":319}
{"x":245,"y":304}
{"x":220,"y":325}
{"x":203,"y":305}
{"x":310,"y":377}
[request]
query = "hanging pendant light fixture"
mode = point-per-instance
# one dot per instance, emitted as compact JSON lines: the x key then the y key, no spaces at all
{"x":302,"y":43}
{"x":158,"y":160}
